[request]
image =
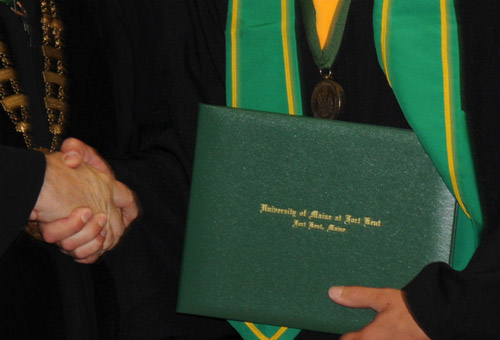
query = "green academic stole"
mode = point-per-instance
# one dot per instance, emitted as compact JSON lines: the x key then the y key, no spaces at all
{"x":417,"y":45}
{"x":262,"y":74}
{"x":262,"y":67}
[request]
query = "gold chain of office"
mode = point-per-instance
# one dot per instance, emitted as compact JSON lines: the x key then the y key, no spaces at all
{"x":15,"y":102}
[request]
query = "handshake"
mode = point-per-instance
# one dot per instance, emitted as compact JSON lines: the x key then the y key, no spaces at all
{"x":81,"y":207}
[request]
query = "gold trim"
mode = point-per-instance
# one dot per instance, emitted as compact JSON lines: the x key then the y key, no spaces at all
{"x":286,"y":57}
{"x":261,"y":336}
{"x":52,"y":52}
{"x":54,"y":78}
{"x":14,"y":102}
{"x":447,"y":103}
{"x":234,"y":55}
{"x":383,"y":37}
{"x":56,"y":104}
{"x":7,"y":74}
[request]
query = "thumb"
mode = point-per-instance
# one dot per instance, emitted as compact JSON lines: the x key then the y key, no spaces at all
{"x":355,"y":297}
{"x":72,"y":159}
{"x":89,"y":155}
{"x":73,"y":153}
{"x":125,"y":199}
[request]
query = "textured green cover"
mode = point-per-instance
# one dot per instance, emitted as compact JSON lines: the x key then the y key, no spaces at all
{"x":274,"y":266}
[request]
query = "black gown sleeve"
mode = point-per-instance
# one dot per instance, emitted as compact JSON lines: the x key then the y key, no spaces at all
{"x":22,"y":174}
{"x":152,"y":62}
{"x":465,"y":305}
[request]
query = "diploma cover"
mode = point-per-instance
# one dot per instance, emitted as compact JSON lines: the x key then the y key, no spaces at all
{"x":284,"y":207}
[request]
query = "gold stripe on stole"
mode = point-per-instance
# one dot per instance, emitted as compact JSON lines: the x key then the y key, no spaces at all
{"x":383,"y":37}
{"x":261,"y":336}
{"x":234,"y":55}
{"x":447,"y":103}
{"x":286,"y":57}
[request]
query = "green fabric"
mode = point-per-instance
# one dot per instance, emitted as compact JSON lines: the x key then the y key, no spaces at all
{"x":261,"y":80}
{"x":266,"y":330}
{"x":7,"y":2}
{"x":324,"y":58}
{"x":415,"y":71}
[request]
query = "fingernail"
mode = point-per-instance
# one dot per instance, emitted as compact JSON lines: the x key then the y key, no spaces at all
{"x":101,"y":221}
{"x":86,"y":216}
{"x":104,"y":232}
{"x":335,"y":292}
{"x":70,"y":154}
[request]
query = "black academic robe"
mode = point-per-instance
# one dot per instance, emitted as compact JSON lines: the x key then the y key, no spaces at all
{"x":119,"y":106}
{"x":115,"y":107}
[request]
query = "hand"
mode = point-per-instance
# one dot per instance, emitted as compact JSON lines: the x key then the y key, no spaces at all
{"x":80,"y":235}
{"x":393,"y":320}
{"x":65,"y":189}
{"x":78,"y":155}
{"x":75,"y":153}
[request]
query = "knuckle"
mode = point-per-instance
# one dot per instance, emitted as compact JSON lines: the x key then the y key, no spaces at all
{"x":77,"y":227}
{"x":79,"y":254}
{"x":48,"y":236}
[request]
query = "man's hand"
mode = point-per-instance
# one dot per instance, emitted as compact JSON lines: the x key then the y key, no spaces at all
{"x":80,"y":235}
{"x":76,"y":152}
{"x":393,"y":320}
{"x":83,"y":179}
{"x":64,"y":189}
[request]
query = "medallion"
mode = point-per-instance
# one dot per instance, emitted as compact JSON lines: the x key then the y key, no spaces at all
{"x":327,"y":99}
{"x":324,"y":23}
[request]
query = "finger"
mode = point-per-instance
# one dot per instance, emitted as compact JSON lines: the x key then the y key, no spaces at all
{"x":73,"y":159}
{"x":351,"y":336}
{"x":358,"y":297}
{"x":33,"y":215}
{"x":125,"y":199}
{"x":109,"y":237}
{"x":61,"y":229}
{"x":122,"y":195}
{"x":72,"y":150}
{"x":88,"y":260}
{"x":89,"y":155}
{"x":109,"y":241}
{"x":117,"y":226}
{"x":90,"y":249}
{"x":90,"y":231}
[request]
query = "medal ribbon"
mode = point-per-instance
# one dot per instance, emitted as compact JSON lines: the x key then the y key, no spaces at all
{"x":425,"y":77}
{"x":324,"y":22}
{"x":262,"y":74}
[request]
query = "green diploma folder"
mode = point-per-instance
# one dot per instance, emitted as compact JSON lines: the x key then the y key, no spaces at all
{"x":284,"y":207}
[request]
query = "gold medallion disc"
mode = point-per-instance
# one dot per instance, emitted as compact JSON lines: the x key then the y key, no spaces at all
{"x":327,"y":99}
